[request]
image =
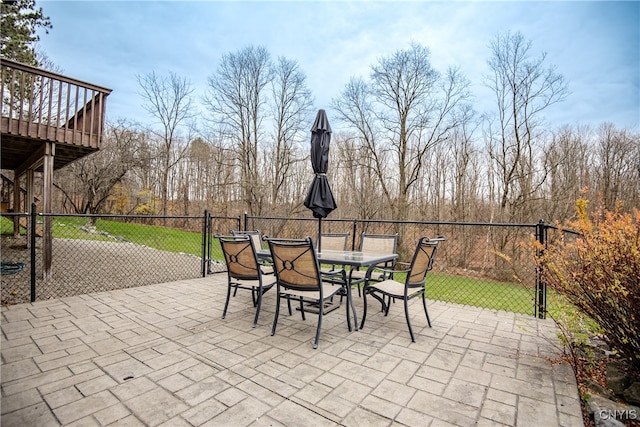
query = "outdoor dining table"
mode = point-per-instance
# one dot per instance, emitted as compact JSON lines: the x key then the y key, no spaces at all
{"x":351,"y":258}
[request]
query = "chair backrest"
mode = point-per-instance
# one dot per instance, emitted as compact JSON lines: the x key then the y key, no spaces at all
{"x":295,"y":263}
{"x":334,"y":241}
{"x":379,"y":243}
{"x":255,"y":236}
{"x":422,"y":261}
{"x":240,"y":257}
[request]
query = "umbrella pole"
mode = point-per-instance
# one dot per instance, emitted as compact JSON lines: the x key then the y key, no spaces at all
{"x":319,"y":234}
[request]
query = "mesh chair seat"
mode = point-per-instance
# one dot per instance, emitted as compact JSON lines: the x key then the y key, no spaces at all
{"x":266,"y":269}
{"x":393,"y":289}
{"x":328,"y":290}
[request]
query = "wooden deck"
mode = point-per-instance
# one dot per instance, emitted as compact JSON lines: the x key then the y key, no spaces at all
{"x":40,"y":107}
{"x":20,"y":138}
{"x":48,"y":120}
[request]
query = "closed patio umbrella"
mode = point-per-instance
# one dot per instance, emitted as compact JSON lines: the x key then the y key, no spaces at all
{"x":320,"y":198}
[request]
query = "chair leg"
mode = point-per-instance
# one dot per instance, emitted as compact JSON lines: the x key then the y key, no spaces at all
{"x":348,"y":312}
{"x":275,"y":318}
{"x":364,"y":311}
{"x":406,"y":313}
{"x":424,"y":304}
{"x":320,"y":311}
{"x":302,"y":309}
{"x":259,"y":303}
{"x":387,"y":306}
{"x":226,"y":303}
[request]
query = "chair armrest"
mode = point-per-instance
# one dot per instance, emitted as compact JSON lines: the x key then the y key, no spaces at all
{"x":334,"y":272}
{"x":392,"y":270}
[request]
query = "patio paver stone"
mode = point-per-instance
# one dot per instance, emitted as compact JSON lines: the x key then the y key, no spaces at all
{"x":161,"y":355}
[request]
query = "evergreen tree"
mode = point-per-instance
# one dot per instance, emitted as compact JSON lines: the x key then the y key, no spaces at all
{"x":19,"y":22}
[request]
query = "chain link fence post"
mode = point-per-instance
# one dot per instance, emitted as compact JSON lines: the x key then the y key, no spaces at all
{"x":355,"y":230}
{"x":32,"y":246}
{"x":540,"y":308}
{"x":206,"y":253}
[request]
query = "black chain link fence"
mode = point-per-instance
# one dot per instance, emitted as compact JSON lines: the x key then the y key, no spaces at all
{"x":92,"y":253}
{"x":488,"y":265}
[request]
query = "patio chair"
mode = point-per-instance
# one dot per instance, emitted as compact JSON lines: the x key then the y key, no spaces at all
{"x":334,"y":242}
{"x":413,"y":286}
{"x":376,"y":243}
{"x":256,"y":237}
{"x":244,"y":271}
{"x":298,"y":277}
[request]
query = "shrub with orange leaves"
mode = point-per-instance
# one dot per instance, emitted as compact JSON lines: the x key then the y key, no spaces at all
{"x":598,"y":270}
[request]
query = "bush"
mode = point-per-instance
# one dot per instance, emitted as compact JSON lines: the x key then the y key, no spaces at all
{"x":599,"y":272}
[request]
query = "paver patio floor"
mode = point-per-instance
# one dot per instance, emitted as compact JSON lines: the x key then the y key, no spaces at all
{"x":161,"y":355}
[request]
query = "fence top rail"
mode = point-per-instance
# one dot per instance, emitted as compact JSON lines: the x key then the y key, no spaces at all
{"x":235,"y":218}
{"x":564,"y":230}
{"x":39,"y":71}
{"x":391,"y":221}
{"x":119,"y":216}
{"x":284,"y":218}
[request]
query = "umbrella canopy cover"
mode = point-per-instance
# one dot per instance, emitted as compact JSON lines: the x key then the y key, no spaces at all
{"x":320,"y":198}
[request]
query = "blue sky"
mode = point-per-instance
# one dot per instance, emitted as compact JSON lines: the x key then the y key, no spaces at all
{"x":595,"y":45}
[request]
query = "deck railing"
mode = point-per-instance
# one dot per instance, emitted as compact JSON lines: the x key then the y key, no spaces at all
{"x":41,"y":104}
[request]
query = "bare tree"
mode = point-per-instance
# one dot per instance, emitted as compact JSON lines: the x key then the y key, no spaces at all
{"x":617,"y":159}
{"x":355,"y":185}
{"x":291,"y":109}
{"x":569,"y":161}
{"x":87,"y":183}
{"x":405,"y":110}
{"x":168,"y":99}
{"x":365,"y":156}
{"x":465,"y":169}
{"x":237,"y":97}
{"x":523,"y":90}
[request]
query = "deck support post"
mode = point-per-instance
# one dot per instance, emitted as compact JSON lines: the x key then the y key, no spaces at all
{"x":47,"y":232}
{"x":30,"y":197}
{"x":16,"y":206}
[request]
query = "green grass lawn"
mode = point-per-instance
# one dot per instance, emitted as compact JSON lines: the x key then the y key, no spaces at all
{"x":162,"y":238}
{"x":6,"y":227}
{"x":478,"y":292}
